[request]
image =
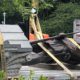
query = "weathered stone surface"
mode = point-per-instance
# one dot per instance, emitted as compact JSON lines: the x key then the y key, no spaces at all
{"x":10,"y":28}
{"x":14,"y":39}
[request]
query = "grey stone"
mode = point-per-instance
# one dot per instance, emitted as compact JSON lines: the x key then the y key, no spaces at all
{"x":10,"y":28}
{"x":16,"y":46}
{"x":14,"y":36}
{"x":14,"y":39}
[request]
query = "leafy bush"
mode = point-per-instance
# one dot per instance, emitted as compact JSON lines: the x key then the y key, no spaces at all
{"x":31,"y":76}
{"x":2,"y":75}
{"x":62,"y":19}
{"x":19,"y":10}
{"x":42,"y":78}
{"x":21,"y":77}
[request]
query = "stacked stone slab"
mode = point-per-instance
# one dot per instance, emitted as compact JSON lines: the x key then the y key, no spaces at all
{"x":15,"y":44}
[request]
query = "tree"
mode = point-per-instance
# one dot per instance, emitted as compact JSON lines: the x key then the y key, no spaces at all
{"x":19,"y":10}
{"x":24,"y":6}
{"x":62,"y":19}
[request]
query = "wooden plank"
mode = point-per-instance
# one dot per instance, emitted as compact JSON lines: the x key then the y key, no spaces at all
{"x":1,"y":39}
{"x":2,"y":57}
{"x":39,"y":36}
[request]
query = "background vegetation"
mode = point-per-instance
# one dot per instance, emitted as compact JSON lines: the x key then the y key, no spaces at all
{"x":55,"y":15}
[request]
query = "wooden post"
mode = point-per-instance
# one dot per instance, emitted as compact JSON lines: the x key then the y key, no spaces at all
{"x":2,"y":57}
{"x":39,"y":36}
{"x":35,"y":25}
{"x":35,"y":3}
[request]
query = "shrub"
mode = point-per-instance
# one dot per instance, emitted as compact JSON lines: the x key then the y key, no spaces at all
{"x":62,"y":19}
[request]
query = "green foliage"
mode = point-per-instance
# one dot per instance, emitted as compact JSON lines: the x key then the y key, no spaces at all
{"x":42,"y":78}
{"x":12,"y":15}
{"x":62,"y":19}
{"x":45,"y":4}
{"x":18,"y":10}
{"x":31,"y":75}
{"x":2,"y":75}
{"x":75,"y":1}
{"x":7,"y":6}
{"x":54,"y":19}
{"x":24,"y":6}
{"x":21,"y":77}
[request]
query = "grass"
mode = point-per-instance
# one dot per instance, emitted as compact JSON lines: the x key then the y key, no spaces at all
{"x":2,"y":75}
{"x":30,"y":77}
